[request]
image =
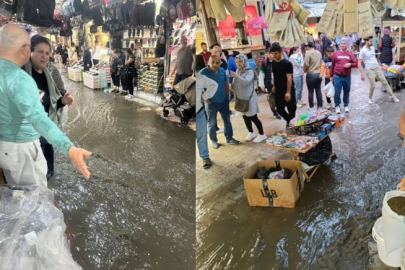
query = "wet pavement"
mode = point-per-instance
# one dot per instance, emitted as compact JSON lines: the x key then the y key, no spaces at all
{"x":331,"y":226}
{"x":138,"y":209}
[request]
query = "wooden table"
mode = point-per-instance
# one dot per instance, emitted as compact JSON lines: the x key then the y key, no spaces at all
{"x":295,"y":153}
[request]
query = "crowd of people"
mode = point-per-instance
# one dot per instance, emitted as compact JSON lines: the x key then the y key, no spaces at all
{"x":281,"y":75}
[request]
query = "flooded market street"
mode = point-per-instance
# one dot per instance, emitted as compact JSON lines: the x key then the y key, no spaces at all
{"x":137,"y":210}
{"x":331,"y":225}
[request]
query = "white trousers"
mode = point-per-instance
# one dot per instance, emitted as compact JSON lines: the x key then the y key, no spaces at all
{"x":23,"y":163}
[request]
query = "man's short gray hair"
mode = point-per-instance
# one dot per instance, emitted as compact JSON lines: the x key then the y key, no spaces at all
{"x":344,"y":39}
{"x":6,"y":40}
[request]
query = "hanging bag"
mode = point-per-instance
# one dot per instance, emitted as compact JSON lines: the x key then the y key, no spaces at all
{"x":242,"y":105}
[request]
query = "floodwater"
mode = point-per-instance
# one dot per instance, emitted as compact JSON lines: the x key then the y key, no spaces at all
{"x":138,"y":209}
{"x":331,"y":225}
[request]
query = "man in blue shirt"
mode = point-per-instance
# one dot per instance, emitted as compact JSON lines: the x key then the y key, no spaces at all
{"x":219,"y":102}
{"x":23,"y":118}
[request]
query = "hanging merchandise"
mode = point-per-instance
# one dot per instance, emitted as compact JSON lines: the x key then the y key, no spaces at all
{"x":285,"y":26}
{"x":390,"y":3}
{"x":227,"y":28}
{"x":377,"y":8}
{"x":150,"y":13}
{"x":251,"y":15}
{"x":238,"y":13}
{"x":351,"y":16}
{"x":366,"y":26}
{"x":6,"y":8}
{"x":39,"y":13}
{"x":301,"y":13}
{"x":208,"y":9}
{"x":219,"y":10}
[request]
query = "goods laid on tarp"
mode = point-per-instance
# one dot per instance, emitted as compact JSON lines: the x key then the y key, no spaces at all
{"x":285,"y":20}
{"x":32,"y":231}
{"x":348,"y":16}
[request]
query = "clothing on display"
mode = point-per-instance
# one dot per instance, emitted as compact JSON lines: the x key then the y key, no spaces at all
{"x":227,"y":28}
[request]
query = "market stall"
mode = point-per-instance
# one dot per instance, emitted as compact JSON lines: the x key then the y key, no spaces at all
{"x":308,"y":139}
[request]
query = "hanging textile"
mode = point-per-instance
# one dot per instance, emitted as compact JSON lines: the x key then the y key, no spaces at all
{"x":251,"y":14}
{"x":227,"y":28}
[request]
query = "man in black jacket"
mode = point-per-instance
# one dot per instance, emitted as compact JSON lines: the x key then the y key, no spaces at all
{"x":266,"y":82}
{"x":86,"y":58}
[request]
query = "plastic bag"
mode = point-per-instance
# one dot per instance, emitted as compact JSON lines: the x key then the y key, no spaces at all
{"x":32,"y":231}
{"x":393,"y":224}
{"x":319,"y":154}
{"x":329,"y":89}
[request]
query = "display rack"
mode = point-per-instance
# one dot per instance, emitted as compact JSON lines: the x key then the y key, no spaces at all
{"x":75,"y":74}
{"x":91,"y":81}
{"x":151,"y":79}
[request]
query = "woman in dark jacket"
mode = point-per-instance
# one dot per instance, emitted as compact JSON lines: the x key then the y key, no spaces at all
{"x":130,"y":70}
{"x":114,"y":71}
{"x":64,"y":54}
{"x":51,"y":97}
{"x":386,"y":45}
{"x":86,"y":58}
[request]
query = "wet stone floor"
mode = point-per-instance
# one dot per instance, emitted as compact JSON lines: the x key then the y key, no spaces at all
{"x":330,"y":228}
{"x":137,"y":210}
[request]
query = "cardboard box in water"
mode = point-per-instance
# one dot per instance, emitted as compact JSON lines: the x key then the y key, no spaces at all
{"x":285,"y":192}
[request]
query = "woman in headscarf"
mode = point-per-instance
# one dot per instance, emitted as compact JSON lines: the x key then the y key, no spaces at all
{"x":244,"y":88}
{"x":50,"y":95}
{"x":386,"y":45}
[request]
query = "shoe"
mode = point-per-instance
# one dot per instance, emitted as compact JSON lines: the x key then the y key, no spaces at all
{"x":299,"y":105}
{"x":207,"y":163}
{"x":260,"y":138}
{"x":233,"y":142}
{"x":328,"y":106}
{"x":215,"y":145}
{"x":250,"y":136}
{"x":370,"y":101}
{"x":394,"y":98}
{"x":346,"y":109}
{"x":337,"y":110}
{"x":220,"y":131}
{"x":49,"y":175}
{"x":278,"y":117}
{"x":302,"y":102}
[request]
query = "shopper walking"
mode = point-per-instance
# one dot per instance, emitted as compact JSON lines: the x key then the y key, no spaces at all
{"x":122,"y":73}
{"x":373,"y":70}
{"x":266,"y":82}
{"x":86,"y":58}
{"x":138,"y":63}
{"x":203,"y":96}
{"x":205,"y":53}
{"x":114,"y":71}
{"x":130,"y":71}
{"x":386,"y":46}
{"x":340,"y":74}
{"x":325,"y":71}
{"x":64,"y":54}
{"x":283,"y":84}
{"x":244,"y":88}
{"x":23,"y":118}
{"x":219,"y":102}
{"x":184,"y":61}
{"x":297,"y":61}
{"x":96,"y":53}
{"x":312,"y":67}
{"x":50,"y":96}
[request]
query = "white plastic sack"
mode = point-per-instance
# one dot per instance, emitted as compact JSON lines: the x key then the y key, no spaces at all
{"x":32,"y":231}
{"x":329,"y":89}
{"x":393,"y":224}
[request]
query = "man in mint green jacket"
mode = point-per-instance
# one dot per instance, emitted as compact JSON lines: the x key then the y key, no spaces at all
{"x":23,"y":119}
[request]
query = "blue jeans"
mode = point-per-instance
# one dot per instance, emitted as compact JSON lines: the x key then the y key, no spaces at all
{"x":340,"y":82}
{"x":201,"y":135}
{"x":212,"y":111}
{"x":298,"y":87}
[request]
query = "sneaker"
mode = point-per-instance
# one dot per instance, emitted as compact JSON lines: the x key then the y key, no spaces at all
{"x":328,"y":106}
{"x":346,"y":109}
{"x":370,"y":101}
{"x":221,"y":130}
{"x":299,"y":105}
{"x":337,"y":110}
{"x":278,"y":117}
{"x":233,"y":142}
{"x":250,"y":136}
{"x":260,"y":138}
{"x":301,"y":102}
{"x":215,"y":145}
{"x":394,"y":98}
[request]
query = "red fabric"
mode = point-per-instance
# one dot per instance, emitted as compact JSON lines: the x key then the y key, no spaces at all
{"x":251,"y":14}
{"x":227,"y":28}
